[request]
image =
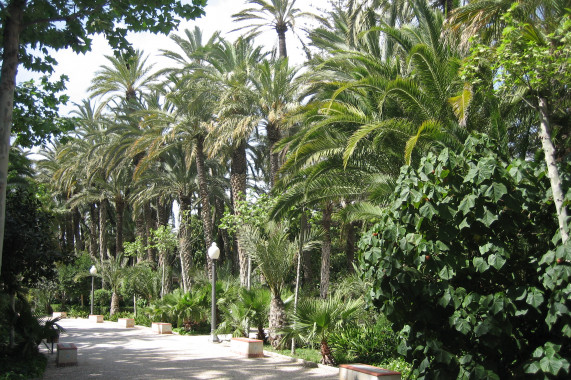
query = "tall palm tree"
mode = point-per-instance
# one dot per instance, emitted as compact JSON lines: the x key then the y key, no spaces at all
{"x":277,"y":14}
{"x":229,"y":68}
{"x":274,"y":253}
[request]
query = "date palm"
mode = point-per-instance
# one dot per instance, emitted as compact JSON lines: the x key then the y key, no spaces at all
{"x":277,"y":14}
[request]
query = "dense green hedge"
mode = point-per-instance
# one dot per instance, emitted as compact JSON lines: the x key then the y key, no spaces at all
{"x":464,"y":262}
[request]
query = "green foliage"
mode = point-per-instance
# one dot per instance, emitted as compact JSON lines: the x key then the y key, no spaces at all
{"x":36,"y":112}
{"x":365,"y":343}
{"x":464,"y":263}
{"x":29,"y":240}
{"x":20,"y":368}
{"x":102,"y":297}
{"x":250,"y":308}
{"x":77,"y":311}
{"x":163,"y":239}
{"x":248,"y":212}
{"x":181,"y":309}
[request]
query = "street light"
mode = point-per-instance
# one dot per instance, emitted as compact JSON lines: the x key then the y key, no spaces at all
{"x":213,"y":253}
{"x":93,"y":272}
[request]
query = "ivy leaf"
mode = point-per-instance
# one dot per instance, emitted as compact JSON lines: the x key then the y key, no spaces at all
{"x":535,"y":298}
{"x":496,"y":191}
{"x":488,"y":218}
{"x":496,"y":261}
{"x":446,"y":273}
{"x":467,"y":203}
{"x":480,"y":264}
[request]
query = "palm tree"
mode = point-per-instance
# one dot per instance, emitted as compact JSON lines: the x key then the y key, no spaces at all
{"x":315,"y":319}
{"x":274,"y":253}
{"x":112,"y":271}
{"x":277,"y":14}
{"x":230,"y":67}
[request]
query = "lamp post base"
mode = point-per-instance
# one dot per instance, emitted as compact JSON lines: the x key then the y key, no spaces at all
{"x":214,"y":338}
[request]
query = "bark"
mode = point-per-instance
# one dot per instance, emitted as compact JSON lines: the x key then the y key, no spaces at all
{"x":114,"y":303}
{"x":140,"y":231}
{"x":76,"y":217}
{"x":12,"y":27}
{"x":238,"y":183}
{"x":350,"y":246}
{"x":277,"y":320}
{"x":203,"y":190}
{"x":93,"y":231}
{"x":120,"y":211}
{"x":162,"y":220}
{"x":326,"y":355}
{"x":282,"y":29}
{"x":150,"y":218}
{"x":184,"y":239}
{"x":274,"y":136}
{"x":326,"y":250}
{"x":103,"y":230}
{"x":226,"y":247}
{"x":552,"y":171}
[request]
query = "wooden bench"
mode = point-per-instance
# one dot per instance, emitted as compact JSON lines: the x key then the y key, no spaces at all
{"x":66,"y":354}
{"x":366,"y":372}
{"x":59,"y":314}
{"x":96,"y":318}
{"x":126,"y":322}
{"x":161,"y":328}
{"x":250,"y":348}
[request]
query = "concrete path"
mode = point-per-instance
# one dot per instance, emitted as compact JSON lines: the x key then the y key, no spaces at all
{"x":107,"y":351}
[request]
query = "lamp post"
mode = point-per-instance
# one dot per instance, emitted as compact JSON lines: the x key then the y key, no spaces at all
{"x":93,"y":272}
{"x":213,"y":253}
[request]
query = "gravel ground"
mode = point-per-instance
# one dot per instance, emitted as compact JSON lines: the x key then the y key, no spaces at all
{"x":107,"y":351}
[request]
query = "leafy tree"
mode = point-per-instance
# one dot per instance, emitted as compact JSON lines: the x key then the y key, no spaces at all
{"x":28,"y":27}
{"x":464,"y":263}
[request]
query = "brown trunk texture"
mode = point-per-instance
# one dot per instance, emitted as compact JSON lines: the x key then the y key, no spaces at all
{"x":205,"y":209}
{"x":93,"y":231}
{"x":103,"y":230}
{"x":184,"y":239}
{"x":114,"y":303}
{"x":326,"y":250}
{"x":238,"y":184}
{"x":277,"y":321}
{"x":119,"y":210}
{"x":326,"y":355}
{"x":274,"y":136}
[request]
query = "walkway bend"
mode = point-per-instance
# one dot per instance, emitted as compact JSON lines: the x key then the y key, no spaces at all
{"x":106,"y":351}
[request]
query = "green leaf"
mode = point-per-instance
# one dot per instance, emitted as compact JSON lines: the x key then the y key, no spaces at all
{"x":496,"y":191}
{"x":535,"y":298}
{"x":496,"y":261}
{"x":467,"y":204}
{"x":480,"y":264}
{"x":488,"y":218}
{"x":446,"y":273}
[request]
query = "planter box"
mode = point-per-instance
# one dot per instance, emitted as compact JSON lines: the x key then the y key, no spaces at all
{"x":250,"y":348}
{"x":126,"y":322}
{"x":95,"y":318}
{"x":161,"y":328}
{"x":66,"y":354}
{"x":366,"y":372}
{"x":60,"y":314}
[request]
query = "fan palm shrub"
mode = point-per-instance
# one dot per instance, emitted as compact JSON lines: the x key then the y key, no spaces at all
{"x":315,"y":319}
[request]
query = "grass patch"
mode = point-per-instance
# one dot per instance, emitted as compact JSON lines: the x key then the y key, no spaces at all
{"x":308,"y":354}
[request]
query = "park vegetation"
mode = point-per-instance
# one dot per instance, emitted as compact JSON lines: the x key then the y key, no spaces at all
{"x":400,"y":199}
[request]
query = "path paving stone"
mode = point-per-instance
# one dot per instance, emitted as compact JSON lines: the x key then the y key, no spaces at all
{"x":107,"y":351}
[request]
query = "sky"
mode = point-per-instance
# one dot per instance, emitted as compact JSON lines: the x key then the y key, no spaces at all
{"x":81,"y":68}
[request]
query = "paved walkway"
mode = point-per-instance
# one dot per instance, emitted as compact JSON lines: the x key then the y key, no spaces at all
{"x":107,"y":351}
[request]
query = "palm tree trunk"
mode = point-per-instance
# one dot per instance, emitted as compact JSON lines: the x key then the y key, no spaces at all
{"x":282,"y":40}
{"x":140,"y":231}
{"x":185,"y":249}
{"x":326,"y":250}
{"x":114,"y":303}
{"x":93,"y":231}
{"x":11,"y":45}
{"x":274,"y":136}
{"x":350,"y":245}
{"x":326,"y":355}
{"x":238,"y":184}
{"x":120,"y":211}
{"x":103,"y":230}
{"x":162,"y":220}
{"x":150,"y":221}
{"x":203,"y":189}
{"x":76,"y":218}
{"x":277,"y":320}
{"x":552,"y":172}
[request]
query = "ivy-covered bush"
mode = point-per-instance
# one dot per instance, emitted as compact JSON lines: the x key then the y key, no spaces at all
{"x":464,"y":261}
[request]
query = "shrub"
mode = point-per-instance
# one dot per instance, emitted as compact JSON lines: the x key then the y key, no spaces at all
{"x":370,"y":344}
{"x":77,"y":311}
{"x":464,"y":261}
{"x":102,"y":297}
